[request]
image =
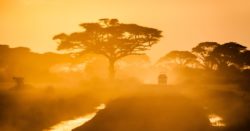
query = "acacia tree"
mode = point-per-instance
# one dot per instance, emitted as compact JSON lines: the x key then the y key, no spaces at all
{"x":245,"y":59}
{"x":228,"y":54}
{"x":203,"y":51}
{"x":110,"y":38}
{"x":182,"y":58}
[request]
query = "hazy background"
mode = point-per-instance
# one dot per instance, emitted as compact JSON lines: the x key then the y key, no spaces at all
{"x":33,"y":23}
{"x":57,"y":87}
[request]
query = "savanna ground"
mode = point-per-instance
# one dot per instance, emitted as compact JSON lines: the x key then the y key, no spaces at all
{"x":40,"y":108}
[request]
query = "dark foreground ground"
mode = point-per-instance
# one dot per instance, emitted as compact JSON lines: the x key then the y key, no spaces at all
{"x":130,"y":107}
{"x":149,"y":113}
{"x":174,"y":110}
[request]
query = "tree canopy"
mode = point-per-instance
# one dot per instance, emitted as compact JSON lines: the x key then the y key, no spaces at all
{"x":110,"y":38}
{"x":227,"y":54}
{"x":179,"y":57}
{"x":212,"y":56}
{"x":203,"y":51}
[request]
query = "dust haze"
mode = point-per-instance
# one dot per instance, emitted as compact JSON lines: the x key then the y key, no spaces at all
{"x":205,"y":88}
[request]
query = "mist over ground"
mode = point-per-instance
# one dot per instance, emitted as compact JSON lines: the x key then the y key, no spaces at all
{"x":55,"y":87}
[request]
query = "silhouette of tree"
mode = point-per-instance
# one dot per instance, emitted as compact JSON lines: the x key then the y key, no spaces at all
{"x":4,"y":49}
{"x":226,"y":55}
{"x":245,"y":58}
{"x":203,"y":51}
{"x":182,"y":58}
{"x":110,"y":38}
{"x":21,"y":61}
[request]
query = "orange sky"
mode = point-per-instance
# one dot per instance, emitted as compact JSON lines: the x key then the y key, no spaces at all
{"x":185,"y":23}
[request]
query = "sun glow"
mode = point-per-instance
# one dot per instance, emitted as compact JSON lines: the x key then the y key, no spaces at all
{"x":68,"y":68}
{"x":101,"y":107}
{"x":69,"y":125}
{"x":216,"y":120}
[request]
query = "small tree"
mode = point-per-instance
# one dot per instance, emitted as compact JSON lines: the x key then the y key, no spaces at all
{"x":182,"y":58}
{"x":110,"y":38}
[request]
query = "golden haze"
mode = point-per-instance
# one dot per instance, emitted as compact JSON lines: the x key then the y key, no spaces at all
{"x":33,"y":23}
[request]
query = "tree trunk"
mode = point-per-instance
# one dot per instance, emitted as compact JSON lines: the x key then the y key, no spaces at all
{"x":111,"y":69}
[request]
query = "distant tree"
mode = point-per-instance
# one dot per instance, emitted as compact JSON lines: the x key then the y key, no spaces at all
{"x":182,"y":58}
{"x":245,"y":59}
{"x":203,"y":51}
{"x":228,"y":54}
{"x":4,"y":50}
{"x":110,"y":38}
